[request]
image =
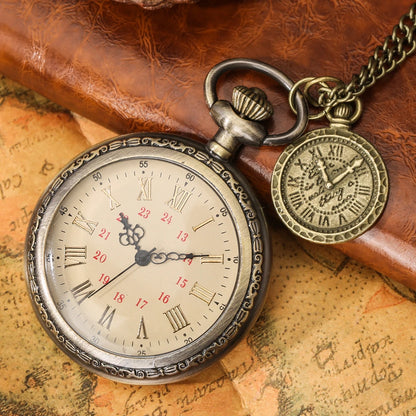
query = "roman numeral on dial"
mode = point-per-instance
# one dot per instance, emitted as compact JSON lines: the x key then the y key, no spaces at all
{"x":142,"y":333}
{"x":179,"y":199}
{"x":315,"y":152}
{"x":85,"y":224}
{"x":342,"y":219}
{"x":145,"y":189}
{"x":323,"y":220}
{"x":212,"y":259}
{"x":202,"y":224}
{"x":335,"y":150}
{"x":296,"y":199}
{"x":307,"y":214}
{"x":202,"y":293}
{"x":107,"y":317}
{"x":364,"y":190}
{"x":113,"y":202}
{"x":81,"y":291}
{"x":294,"y":181}
{"x":301,"y":164}
{"x":176,"y":318}
{"x":75,"y":256}
{"x":356,"y":207}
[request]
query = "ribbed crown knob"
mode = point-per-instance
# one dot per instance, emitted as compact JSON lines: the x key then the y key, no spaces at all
{"x":343,"y":111}
{"x":251,"y":103}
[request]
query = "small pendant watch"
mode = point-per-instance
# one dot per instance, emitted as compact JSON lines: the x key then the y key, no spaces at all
{"x":147,"y":257}
{"x":330,"y":185}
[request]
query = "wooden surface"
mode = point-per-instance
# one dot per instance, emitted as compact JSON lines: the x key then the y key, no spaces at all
{"x":130,"y":69}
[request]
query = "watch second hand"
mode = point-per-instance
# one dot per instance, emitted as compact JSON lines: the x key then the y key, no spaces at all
{"x":112,"y":280}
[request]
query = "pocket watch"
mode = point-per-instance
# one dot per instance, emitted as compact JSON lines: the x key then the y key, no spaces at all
{"x":147,"y":257}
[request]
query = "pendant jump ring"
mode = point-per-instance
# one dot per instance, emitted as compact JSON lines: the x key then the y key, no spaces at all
{"x":241,"y":63}
{"x":314,"y":103}
{"x":309,"y":83}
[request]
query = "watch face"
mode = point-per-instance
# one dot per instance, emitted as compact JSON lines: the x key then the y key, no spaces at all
{"x":330,"y":186}
{"x":144,"y":252}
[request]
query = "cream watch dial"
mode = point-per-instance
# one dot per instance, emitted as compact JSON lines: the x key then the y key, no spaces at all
{"x":143,"y":256}
{"x":330,"y":186}
{"x":160,"y":302}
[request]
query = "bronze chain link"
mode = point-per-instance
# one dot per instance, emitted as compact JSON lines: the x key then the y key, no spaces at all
{"x":395,"y":49}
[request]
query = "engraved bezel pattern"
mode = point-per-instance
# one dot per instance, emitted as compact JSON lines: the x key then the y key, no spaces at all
{"x":362,"y":222}
{"x":247,"y":311}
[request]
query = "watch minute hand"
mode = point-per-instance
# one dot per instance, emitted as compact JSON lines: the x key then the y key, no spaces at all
{"x":350,"y":169}
{"x":159,"y":258}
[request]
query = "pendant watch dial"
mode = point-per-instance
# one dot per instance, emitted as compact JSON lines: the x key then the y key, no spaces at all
{"x":145,"y":259}
{"x":329,"y":186}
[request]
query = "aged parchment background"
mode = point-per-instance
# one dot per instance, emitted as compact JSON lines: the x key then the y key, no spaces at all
{"x":335,"y":338}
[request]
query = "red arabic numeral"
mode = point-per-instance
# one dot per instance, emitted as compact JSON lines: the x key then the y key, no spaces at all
{"x":104,"y":233}
{"x":144,"y":212}
{"x":166,"y":218}
{"x":181,"y":282}
{"x":187,"y":260}
{"x":119,"y":297}
{"x":141,"y":303}
{"x":99,"y":256}
{"x":164,"y":298}
{"x":104,"y":279}
{"x":182,"y":236}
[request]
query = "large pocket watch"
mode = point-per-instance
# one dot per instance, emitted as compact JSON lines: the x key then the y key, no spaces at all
{"x":147,"y":256}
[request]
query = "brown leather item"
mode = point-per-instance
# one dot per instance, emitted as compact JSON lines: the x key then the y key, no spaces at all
{"x":131,"y":69}
{"x":155,"y":4}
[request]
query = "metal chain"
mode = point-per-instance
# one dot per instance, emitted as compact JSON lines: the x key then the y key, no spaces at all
{"x":386,"y":57}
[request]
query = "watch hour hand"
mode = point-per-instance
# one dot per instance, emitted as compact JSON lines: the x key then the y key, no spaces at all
{"x":132,"y":235}
{"x":349,"y":169}
{"x":322,"y":168}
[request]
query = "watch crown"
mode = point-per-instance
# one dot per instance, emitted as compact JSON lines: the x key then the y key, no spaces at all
{"x":343,"y":115}
{"x":343,"y":111}
{"x":251,"y":103}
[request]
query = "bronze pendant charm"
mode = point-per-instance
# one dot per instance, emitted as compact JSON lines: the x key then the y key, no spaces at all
{"x":330,"y":185}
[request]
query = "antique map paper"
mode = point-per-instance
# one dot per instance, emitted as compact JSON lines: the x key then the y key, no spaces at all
{"x":335,"y":338}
